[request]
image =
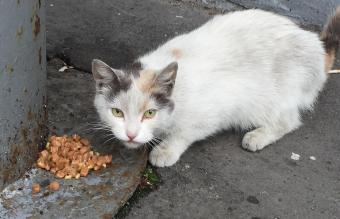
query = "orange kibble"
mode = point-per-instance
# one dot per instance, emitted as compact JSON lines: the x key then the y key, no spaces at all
{"x":78,"y":145}
{"x":41,"y":163}
{"x":60,"y":174}
{"x":54,"y":170}
{"x":54,"y":186}
{"x":75,"y":162}
{"x":56,"y":143}
{"x":44,"y":153}
{"x":70,"y":157}
{"x":108,"y":158}
{"x":52,"y":165}
{"x":94,"y":159}
{"x":84,"y":171}
{"x":72,"y":171}
{"x":85,"y":142}
{"x":70,"y":154}
{"x":101,"y":160}
{"x":47,"y":167}
{"x":86,"y":156}
{"x":55,"y":157}
{"x":68,"y":177}
{"x":90,"y":164}
{"x":76,"y":137}
{"x":68,"y":145}
{"x":51,"y":138}
{"x":35,"y":188}
{"x":54,"y":149}
{"x":84,"y":150}
{"x":60,"y":165}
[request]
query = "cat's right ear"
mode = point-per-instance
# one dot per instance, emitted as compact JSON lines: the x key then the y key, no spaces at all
{"x":103,"y":73}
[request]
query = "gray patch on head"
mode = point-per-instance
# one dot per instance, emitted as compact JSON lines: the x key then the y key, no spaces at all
{"x":165,"y":82}
{"x":114,"y":87}
{"x":163,"y":101}
{"x":123,"y":82}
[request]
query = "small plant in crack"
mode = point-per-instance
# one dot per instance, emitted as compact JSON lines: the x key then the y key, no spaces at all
{"x":150,"y":180}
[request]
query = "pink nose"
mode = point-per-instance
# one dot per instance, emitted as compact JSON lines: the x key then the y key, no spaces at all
{"x":131,"y":136}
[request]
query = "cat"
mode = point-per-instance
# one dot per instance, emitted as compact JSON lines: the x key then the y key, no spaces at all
{"x":250,"y":69}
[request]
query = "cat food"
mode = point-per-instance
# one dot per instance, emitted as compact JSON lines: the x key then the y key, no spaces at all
{"x":71,"y":157}
{"x":35,"y":188}
{"x":54,"y":186}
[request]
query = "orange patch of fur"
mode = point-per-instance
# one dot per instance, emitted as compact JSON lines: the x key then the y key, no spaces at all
{"x":146,"y":80}
{"x":177,"y":53}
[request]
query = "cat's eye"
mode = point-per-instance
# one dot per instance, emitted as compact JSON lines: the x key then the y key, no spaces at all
{"x":149,"y":114}
{"x":117,"y":112}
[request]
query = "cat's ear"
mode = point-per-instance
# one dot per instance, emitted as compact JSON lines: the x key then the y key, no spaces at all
{"x":103,"y":73}
{"x":167,"y":77}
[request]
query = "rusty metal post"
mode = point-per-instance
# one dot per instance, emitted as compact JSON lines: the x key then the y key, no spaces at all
{"x":22,"y":85}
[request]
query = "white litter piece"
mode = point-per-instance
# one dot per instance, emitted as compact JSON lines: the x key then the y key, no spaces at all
{"x":312,"y":158}
{"x":51,"y":5}
{"x":295,"y":156}
{"x":179,"y":16}
{"x":335,"y":71}
{"x":62,"y":69}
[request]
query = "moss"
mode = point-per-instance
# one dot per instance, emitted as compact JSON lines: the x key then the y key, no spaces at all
{"x":151,"y":176}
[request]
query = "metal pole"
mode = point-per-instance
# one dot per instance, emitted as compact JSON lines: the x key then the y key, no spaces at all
{"x":22,"y":85}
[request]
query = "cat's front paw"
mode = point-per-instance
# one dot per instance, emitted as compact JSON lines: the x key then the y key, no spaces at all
{"x":256,"y":140}
{"x":163,"y":157}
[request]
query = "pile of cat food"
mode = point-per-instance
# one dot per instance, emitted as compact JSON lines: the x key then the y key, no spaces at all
{"x":71,"y":157}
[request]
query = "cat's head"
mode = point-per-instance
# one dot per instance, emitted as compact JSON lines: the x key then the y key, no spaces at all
{"x":136,"y":103}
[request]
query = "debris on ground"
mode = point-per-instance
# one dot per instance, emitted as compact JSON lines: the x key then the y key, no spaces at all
{"x":295,"y":156}
{"x":65,"y":67}
{"x":335,"y":71}
{"x":35,"y":188}
{"x":54,"y":186}
{"x":312,"y":158}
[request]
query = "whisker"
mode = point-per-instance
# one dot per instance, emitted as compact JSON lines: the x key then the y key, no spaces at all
{"x":110,"y":139}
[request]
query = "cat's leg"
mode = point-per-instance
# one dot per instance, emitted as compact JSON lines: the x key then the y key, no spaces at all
{"x":267,"y":134}
{"x":168,"y":151}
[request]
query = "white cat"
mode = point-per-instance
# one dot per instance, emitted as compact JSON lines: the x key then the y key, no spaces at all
{"x":250,"y":69}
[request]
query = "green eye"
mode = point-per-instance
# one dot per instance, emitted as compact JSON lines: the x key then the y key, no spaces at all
{"x":149,"y":114}
{"x":117,"y":112}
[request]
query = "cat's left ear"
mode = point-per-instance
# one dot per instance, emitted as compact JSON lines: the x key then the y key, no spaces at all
{"x":167,"y":77}
{"x":103,"y":73}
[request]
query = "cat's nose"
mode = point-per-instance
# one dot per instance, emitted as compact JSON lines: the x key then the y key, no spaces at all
{"x":131,"y":135}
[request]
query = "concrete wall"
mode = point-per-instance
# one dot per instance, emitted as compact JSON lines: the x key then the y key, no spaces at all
{"x":22,"y":85}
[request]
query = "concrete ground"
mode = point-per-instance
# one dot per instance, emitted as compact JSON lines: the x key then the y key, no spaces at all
{"x":215,"y":178}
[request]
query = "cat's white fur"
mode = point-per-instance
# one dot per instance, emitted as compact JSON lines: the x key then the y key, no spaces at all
{"x":248,"y":69}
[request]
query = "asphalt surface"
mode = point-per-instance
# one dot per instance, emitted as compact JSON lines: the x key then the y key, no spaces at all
{"x":309,"y":13}
{"x":215,"y":178}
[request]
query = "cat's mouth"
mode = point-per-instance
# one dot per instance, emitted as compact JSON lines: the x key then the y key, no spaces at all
{"x":132,"y":144}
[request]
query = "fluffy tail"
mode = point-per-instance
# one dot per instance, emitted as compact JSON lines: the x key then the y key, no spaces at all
{"x":331,"y":38}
